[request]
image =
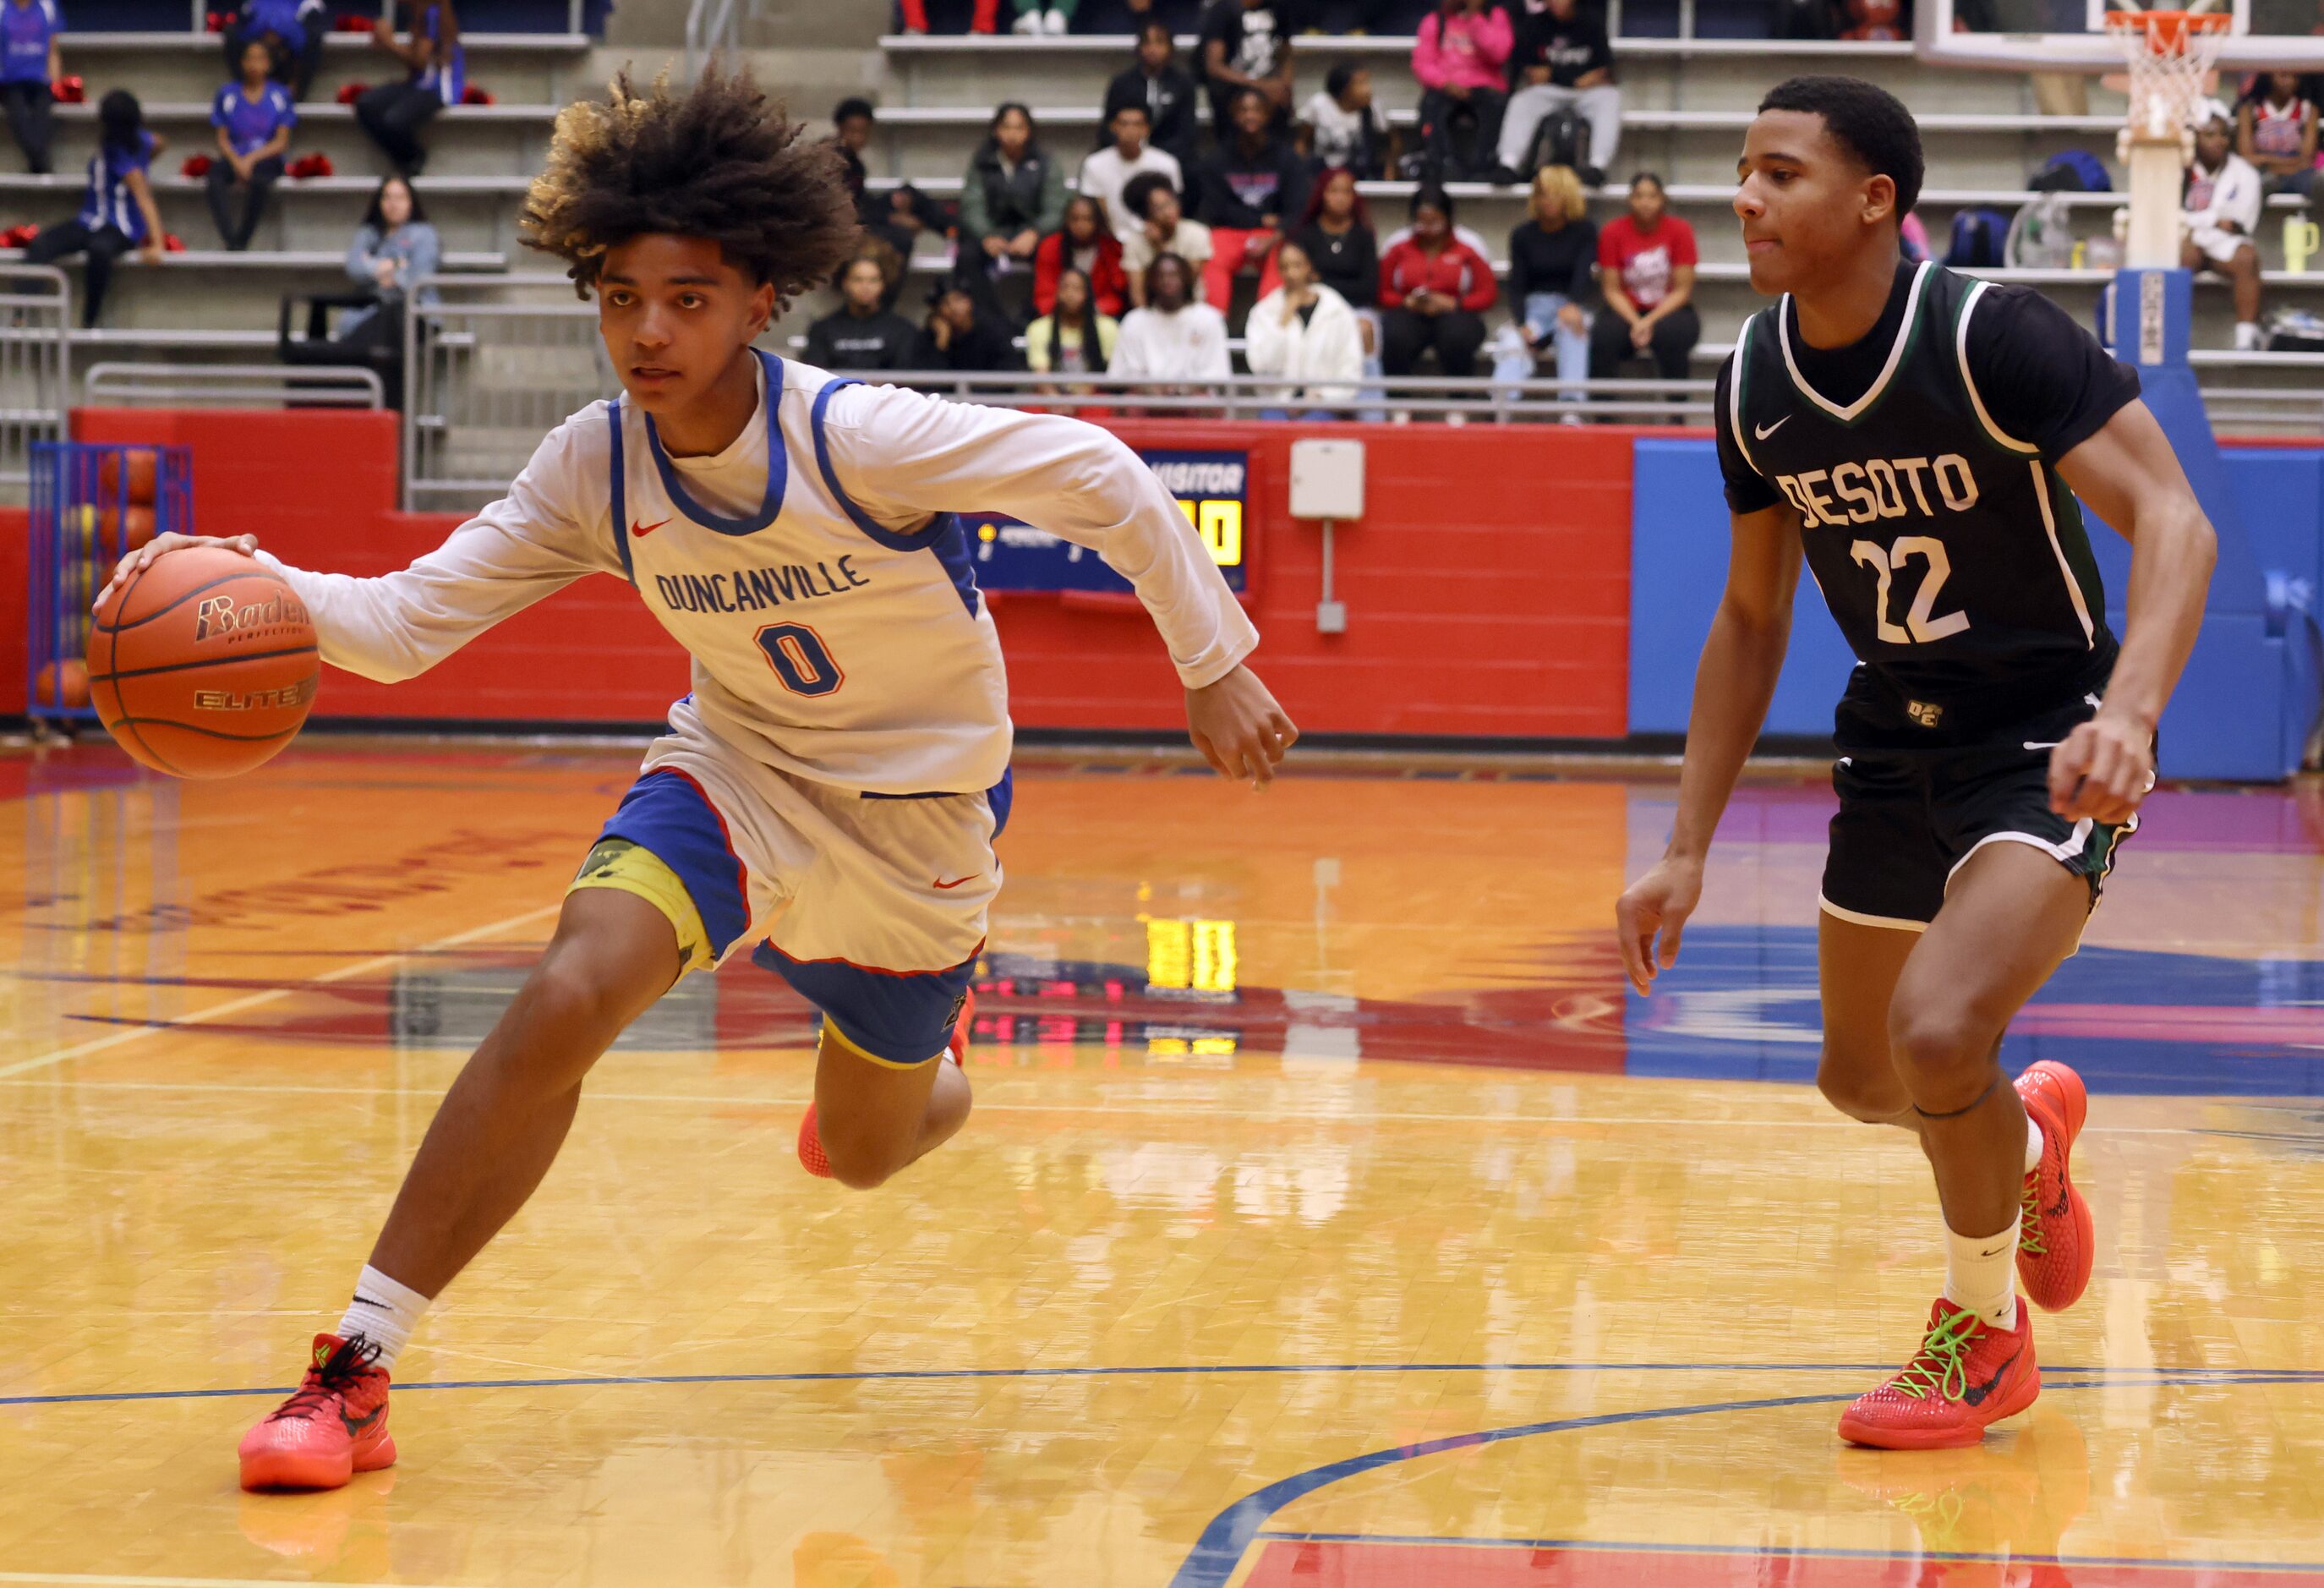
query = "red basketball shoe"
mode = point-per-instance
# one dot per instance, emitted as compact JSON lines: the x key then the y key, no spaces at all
{"x":1966,"y":1376}
{"x":2056,"y":1244}
{"x":810,"y":1141}
{"x":333,"y":1427}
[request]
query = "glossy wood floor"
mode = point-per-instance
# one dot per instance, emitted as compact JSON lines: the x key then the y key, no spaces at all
{"x":1329,"y":1218}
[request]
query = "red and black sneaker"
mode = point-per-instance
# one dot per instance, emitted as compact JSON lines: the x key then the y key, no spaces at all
{"x":2057,"y":1243}
{"x":333,"y":1427}
{"x":1966,"y":1376}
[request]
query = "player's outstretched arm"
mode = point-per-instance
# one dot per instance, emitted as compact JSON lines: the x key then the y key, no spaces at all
{"x":1733,"y":685}
{"x":524,"y":548}
{"x":2128,"y":475}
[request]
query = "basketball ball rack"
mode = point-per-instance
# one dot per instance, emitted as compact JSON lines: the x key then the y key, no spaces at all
{"x":93,"y":503}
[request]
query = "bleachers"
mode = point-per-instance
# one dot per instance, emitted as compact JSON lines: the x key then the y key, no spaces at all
{"x":1686,"y":103}
{"x":208,"y":304}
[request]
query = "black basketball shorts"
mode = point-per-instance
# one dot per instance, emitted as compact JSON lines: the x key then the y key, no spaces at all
{"x":1908,"y":818}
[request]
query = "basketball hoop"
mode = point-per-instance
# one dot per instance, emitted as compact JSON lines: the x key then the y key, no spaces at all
{"x":2172,"y":56}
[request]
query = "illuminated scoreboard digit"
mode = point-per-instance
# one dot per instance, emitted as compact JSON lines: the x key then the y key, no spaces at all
{"x":1213,"y":489}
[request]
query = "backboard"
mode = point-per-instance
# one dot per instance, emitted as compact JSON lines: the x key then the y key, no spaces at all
{"x":2069,"y":35}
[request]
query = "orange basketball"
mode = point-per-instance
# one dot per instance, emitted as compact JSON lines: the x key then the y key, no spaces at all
{"x":204,"y":664}
{"x":141,"y":477}
{"x":137,"y":527}
{"x":62,"y":683}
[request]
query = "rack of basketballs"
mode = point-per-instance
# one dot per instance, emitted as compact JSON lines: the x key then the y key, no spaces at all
{"x":93,"y":503}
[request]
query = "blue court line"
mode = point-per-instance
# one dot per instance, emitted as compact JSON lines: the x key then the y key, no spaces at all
{"x":1229,"y":1536}
{"x":1791,"y":1551}
{"x":879,"y":1375}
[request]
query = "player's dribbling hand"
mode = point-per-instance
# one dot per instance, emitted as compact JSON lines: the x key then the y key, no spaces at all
{"x":162,"y":545}
{"x":1659,"y":901}
{"x":1238,"y":728}
{"x":2103,"y":768}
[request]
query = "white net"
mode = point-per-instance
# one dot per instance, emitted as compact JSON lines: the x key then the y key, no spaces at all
{"x":2172,"y":56}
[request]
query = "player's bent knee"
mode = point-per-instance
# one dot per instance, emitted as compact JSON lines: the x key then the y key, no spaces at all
{"x":1945,"y":1056}
{"x":864,"y":1159}
{"x":1862,"y":1086}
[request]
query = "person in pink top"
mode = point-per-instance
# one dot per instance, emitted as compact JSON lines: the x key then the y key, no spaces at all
{"x":1461,"y":57}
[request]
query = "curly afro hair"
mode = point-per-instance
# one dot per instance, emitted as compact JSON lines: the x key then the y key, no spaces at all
{"x":717,"y":160}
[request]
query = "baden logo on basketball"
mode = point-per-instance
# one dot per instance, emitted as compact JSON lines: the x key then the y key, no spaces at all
{"x":218,"y":615}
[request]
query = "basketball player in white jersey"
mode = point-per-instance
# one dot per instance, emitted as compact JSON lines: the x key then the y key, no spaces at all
{"x":831,"y":788}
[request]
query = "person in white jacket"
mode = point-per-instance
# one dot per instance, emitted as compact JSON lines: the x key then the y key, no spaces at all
{"x":1173,"y":338}
{"x":826,"y":800}
{"x":2220,"y":218}
{"x":1307,"y":333}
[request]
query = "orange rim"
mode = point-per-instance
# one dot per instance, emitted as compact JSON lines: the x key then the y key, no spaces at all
{"x":2167,"y":31}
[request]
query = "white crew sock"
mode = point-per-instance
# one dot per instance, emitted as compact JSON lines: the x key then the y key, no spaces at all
{"x":384,"y":1313}
{"x":1981,"y":1274}
{"x":2033,"y":1144}
{"x":2247,"y":338}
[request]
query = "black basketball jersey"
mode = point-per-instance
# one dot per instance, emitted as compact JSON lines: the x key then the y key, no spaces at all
{"x":1952,"y":554}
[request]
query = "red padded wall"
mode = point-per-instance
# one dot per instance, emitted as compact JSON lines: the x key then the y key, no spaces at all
{"x":1487,"y":587}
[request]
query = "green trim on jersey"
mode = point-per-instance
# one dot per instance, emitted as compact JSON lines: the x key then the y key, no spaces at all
{"x":1900,"y":354}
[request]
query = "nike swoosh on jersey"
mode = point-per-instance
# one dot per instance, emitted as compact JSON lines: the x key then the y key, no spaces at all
{"x":639,"y":531}
{"x":1759,"y":434}
{"x":943,"y":887}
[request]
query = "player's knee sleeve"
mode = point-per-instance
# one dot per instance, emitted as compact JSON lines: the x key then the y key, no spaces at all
{"x":631,"y":868}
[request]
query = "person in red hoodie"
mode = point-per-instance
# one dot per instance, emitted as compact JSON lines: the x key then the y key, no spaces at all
{"x":1081,"y":243}
{"x":1434,"y":290}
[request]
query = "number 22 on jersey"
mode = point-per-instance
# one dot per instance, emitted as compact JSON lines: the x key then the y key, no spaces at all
{"x":1919,"y":627}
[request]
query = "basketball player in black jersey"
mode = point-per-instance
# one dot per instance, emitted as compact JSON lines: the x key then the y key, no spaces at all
{"x":1922,"y":439}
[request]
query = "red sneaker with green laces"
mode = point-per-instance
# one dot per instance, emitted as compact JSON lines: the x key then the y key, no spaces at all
{"x":2057,"y":1243}
{"x":333,"y":1427}
{"x":1966,"y":1376}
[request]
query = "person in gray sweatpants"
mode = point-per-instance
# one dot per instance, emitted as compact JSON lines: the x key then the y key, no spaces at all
{"x":1563,"y":61}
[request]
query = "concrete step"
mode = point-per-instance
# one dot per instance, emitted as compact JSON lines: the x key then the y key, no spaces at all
{"x":469,"y":213}
{"x":939,"y":70}
{"x":516,"y":67}
{"x":1975,"y":149}
{"x":469,"y":140}
{"x":209,"y":289}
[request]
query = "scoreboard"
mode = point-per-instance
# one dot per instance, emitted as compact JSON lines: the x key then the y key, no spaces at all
{"x":1213,"y":489}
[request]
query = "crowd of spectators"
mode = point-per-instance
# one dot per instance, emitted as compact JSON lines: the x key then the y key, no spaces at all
{"x":271,"y":49}
{"x":1147,"y":267}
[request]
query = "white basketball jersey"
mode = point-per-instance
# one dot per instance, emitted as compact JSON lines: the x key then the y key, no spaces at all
{"x":823,"y":645}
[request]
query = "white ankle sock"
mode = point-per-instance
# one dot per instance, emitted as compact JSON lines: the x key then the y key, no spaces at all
{"x":2032,"y":1145}
{"x":1981,"y":1274}
{"x":384,"y":1313}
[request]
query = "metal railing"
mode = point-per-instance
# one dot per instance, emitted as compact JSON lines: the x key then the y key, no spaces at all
{"x":713,"y":27}
{"x":234,"y":385}
{"x":486,"y":381}
{"x":35,"y":367}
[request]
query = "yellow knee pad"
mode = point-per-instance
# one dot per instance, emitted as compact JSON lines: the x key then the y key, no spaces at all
{"x":617,"y":862}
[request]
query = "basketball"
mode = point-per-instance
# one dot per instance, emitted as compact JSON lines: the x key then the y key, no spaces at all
{"x":137,"y":527}
{"x":202,"y":665}
{"x":140,"y":477}
{"x":62,"y":683}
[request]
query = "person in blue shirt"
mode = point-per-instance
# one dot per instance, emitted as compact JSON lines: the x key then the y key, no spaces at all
{"x":117,"y":214}
{"x":393,"y":249}
{"x":254,"y":119}
{"x":295,"y":28}
{"x":28,"y":68}
{"x":394,"y":113}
